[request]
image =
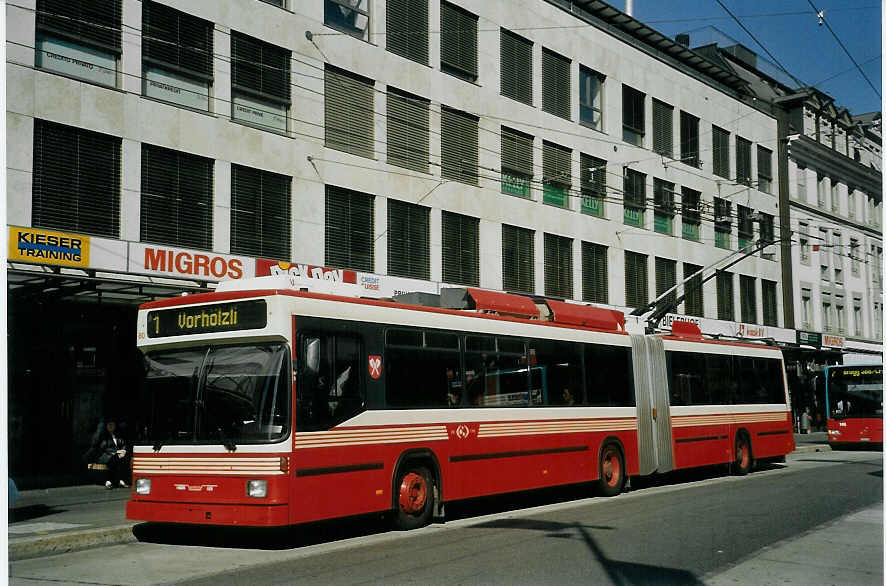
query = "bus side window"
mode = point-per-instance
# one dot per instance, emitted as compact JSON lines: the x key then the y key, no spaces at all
{"x":329,"y":387}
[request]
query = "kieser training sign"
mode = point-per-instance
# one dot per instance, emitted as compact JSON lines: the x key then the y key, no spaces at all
{"x":44,"y":246}
{"x":193,"y":264}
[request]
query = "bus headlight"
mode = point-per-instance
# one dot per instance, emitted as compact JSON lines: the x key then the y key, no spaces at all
{"x":257,"y":488}
{"x":142,"y":486}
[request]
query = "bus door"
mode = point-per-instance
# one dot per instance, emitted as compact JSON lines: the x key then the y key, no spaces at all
{"x":653,"y":410}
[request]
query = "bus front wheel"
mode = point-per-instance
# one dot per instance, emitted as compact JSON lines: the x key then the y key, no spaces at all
{"x":415,"y":498}
{"x":612,"y":471}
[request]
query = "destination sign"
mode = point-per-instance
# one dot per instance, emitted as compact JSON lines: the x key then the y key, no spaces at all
{"x":205,"y":319}
{"x":857,"y":372}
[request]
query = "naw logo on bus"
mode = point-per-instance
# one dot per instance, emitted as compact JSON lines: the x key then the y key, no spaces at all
{"x":265,"y":267}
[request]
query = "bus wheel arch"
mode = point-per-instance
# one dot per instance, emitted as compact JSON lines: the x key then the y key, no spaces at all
{"x":416,"y":494}
{"x":612,"y":467}
{"x":743,"y":453}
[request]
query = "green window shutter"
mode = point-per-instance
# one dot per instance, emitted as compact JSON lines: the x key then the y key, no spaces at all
{"x":459,"y":146}
{"x":665,"y":278}
{"x":748,"y":297}
{"x":409,"y":249}
{"x":407,"y":29}
{"x":693,"y":291}
{"x":636,"y":279}
{"x":662,"y":128}
{"x":76,"y":181}
{"x":516,"y":67}
{"x":690,"y":207}
{"x":558,"y":266}
{"x":516,"y":162}
{"x":408,"y":130}
{"x":260,"y":213}
{"x":260,"y":68}
{"x":348,"y":109}
{"x":770,"y":303}
{"x":461,"y":249}
{"x":742,"y":160}
{"x":720,"y":140}
{"x":518,"y":259}
{"x":177,"y":40}
{"x":176,"y":199}
{"x":663,"y":197}
{"x":593,"y":185}
{"x":634,"y":197}
{"x":458,"y":41}
{"x":722,"y":222}
{"x":725,"y":296}
{"x":349,"y":229}
{"x":557,"y":173}
{"x":594,"y":273}
{"x":93,"y":21}
{"x":556,"y":84}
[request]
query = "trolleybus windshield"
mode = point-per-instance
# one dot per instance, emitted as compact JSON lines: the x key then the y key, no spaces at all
{"x":855,"y":391}
{"x":218,"y":394}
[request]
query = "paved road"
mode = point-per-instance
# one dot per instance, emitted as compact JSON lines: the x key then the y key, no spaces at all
{"x":692,"y":532}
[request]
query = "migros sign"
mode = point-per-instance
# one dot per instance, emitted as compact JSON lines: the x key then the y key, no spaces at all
{"x":177,"y":262}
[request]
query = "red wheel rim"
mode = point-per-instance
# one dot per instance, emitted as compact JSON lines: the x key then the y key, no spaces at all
{"x":742,"y":457}
{"x":611,"y":468}
{"x":413,"y":493}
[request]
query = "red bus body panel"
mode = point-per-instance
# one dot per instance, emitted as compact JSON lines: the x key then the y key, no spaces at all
{"x":855,"y":430}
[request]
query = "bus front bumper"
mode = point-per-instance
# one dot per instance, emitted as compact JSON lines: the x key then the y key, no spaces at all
{"x":208,"y":513}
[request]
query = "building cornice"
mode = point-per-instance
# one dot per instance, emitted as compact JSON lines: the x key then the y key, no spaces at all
{"x":808,"y":152}
{"x":831,"y":217}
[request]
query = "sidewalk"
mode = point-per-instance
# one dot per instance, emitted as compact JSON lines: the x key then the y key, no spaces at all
{"x":57,"y":520}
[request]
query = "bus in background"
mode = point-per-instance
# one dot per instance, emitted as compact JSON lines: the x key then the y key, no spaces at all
{"x":854,"y":398}
{"x":271,"y":405}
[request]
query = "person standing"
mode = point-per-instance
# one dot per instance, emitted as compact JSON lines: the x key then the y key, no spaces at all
{"x":109,"y":450}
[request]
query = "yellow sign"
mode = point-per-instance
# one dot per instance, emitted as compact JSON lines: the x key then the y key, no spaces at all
{"x":43,"y":246}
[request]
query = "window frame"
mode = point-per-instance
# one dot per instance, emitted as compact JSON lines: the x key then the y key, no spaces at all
{"x":587,"y":97}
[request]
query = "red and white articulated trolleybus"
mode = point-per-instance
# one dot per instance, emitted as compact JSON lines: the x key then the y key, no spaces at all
{"x":275,"y":406}
{"x":854,"y":399}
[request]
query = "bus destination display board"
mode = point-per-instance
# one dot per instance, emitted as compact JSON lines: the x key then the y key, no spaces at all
{"x":204,"y":319}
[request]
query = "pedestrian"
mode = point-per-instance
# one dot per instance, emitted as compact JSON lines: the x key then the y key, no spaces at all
{"x":108,"y":452}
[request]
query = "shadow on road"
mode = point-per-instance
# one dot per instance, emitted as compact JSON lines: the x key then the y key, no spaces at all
{"x":32,"y":512}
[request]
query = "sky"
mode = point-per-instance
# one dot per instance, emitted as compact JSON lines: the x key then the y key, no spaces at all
{"x":789,"y":30}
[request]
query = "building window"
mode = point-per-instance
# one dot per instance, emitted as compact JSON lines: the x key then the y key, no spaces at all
{"x":458,"y":146}
{"x":764,"y":169}
{"x":458,"y":41}
{"x":557,"y":171}
{"x":409,"y":246}
{"x":260,"y":213}
{"x":636,"y":280}
{"x":556,"y":84}
{"x":767,"y":234}
{"x":80,"y":38}
{"x":770,"y":303}
{"x":177,"y":54}
{"x":516,"y":163}
{"x":591,"y":98}
{"x":260,"y":88}
{"x":634,"y":197}
{"x":720,"y":144}
{"x":348,"y":16}
{"x":689,"y":139}
{"x":801,"y":193}
{"x":804,"y":243}
{"x":806,"y":308}
{"x":854,"y":252}
{"x":662,"y":128}
{"x":835,"y":196}
{"x":176,"y":198}
{"x":722,"y":223}
{"x":461,"y":249}
{"x":593,"y":185}
{"x":840,"y":315}
{"x":742,"y":160}
{"x":748,"y":298}
{"x":663,"y":195}
{"x":633,"y":115}
{"x":745,"y":227}
{"x":516,"y":67}
{"x":666,"y":278}
{"x":594,"y":273}
{"x":349,"y":112}
{"x":691,"y":211}
{"x":857,"y":320}
{"x":822,"y":191}
{"x":826,"y":318}
{"x":406,"y":24}
{"x":851,"y":204}
{"x":408,"y":130}
{"x":725,"y":296}
{"x":350,"y":223}
{"x":558,"y":266}
{"x":518,"y":259}
{"x":76,"y":182}
{"x":693,"y":290}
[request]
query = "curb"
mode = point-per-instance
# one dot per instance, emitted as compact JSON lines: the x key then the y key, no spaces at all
{"x":44,"y":545}
{"x":812,"y":448}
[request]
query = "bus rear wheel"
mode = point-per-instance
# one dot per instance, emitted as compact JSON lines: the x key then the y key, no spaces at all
{"x":415,"y":498}
{"x":612,"y":471}
{"x":743,"y":459}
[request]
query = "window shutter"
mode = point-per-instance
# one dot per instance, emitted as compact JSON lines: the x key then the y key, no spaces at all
{"x":518,"y":259}
{"x":557,"y":163}
{"x":349,"y":229}
{"x":458,"y":146}
{"x":594,"y":273}
{"x":633,"y":109}
{"x":770,"y":304}
{"x":461,"y":249}
{"x":94,"y":21}
{"x":516,"y":67}
{"x":409,"y":253}
{"x":748,"y":295}
{"x":176,"y":199}
{"x":720,"y":140}
{"x":408,"y":130}
{"x":689,"y":139}
{"x":725,"y":296}
{"x":693,"y":290}
{"x":407,"y":29}
{"x":458,"y":41}
{"x":176,"y":39}
{"x":558,"y":266}
{"x":662,"y":128}
{"x":636,"y":280}
{"x":349,"y":115}
{"x":665,"y":278}
{"x":260,"y":213}
{"x":516,"y":153}
{"x":691,"y":206}
{"x":742,"y":160}
{"x":76,"y":183}
{"x":260,"y":68}
{"x":634,"y":189}
{"x":556,"y":84}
